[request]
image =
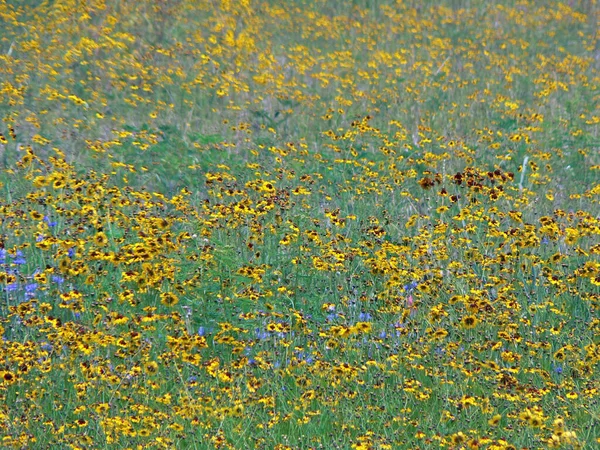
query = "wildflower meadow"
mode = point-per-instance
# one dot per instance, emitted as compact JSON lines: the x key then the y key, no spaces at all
{"x":304,"y":224}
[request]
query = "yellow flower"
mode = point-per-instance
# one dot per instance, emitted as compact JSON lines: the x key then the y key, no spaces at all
{"x":151,"y":367}
{"x":560,"y":355}
{"x":169,"y":299}
{"x":362,"y":327}
{"x":494,"y":421}
{"x":458,"y":438}
{"x":469,"y":322}
{"x":100,"y":240}
{"x":535,"y":421}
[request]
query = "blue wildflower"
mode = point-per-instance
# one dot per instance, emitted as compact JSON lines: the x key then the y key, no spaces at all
{"x":50,"y":222}
{"x":30,"y":290}
{"x":19,"y":259}
{"x":261,"y":334}
{"x":410,"y":286}
{"x":46,"y":346}
{"x":364,"y":317}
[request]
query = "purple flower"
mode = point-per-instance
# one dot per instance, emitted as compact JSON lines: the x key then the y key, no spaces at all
{"x":19,"y":259}
{"x":308,"y":359}
{"x":46,"y":346}
{"x":364,"y":317}
{"x":30,"y":290}
{"x":49,"y":222}
{"x":260,"y":334}
{"x":410,"y":286}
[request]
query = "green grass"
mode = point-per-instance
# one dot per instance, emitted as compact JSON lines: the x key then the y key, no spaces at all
{"x":316,"y":224}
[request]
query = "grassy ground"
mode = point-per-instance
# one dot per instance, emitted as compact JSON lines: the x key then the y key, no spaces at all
{"x":309,"y":224}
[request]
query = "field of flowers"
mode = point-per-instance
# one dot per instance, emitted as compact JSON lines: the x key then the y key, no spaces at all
{"x":318,"y":224}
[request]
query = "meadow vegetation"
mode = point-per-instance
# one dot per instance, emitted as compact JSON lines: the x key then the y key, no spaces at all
{"x":308,"y":224}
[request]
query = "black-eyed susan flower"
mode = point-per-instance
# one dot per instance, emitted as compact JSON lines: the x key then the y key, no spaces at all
{"x":469,"y":322}
{"x":151,"y":367}
{"x":100,"y":239}
{"x":535,"y":421}
{"x":560,"y":354}
{"x":458,"y":438}
{"x":495,"y":420}
{"x":169,"y":299}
